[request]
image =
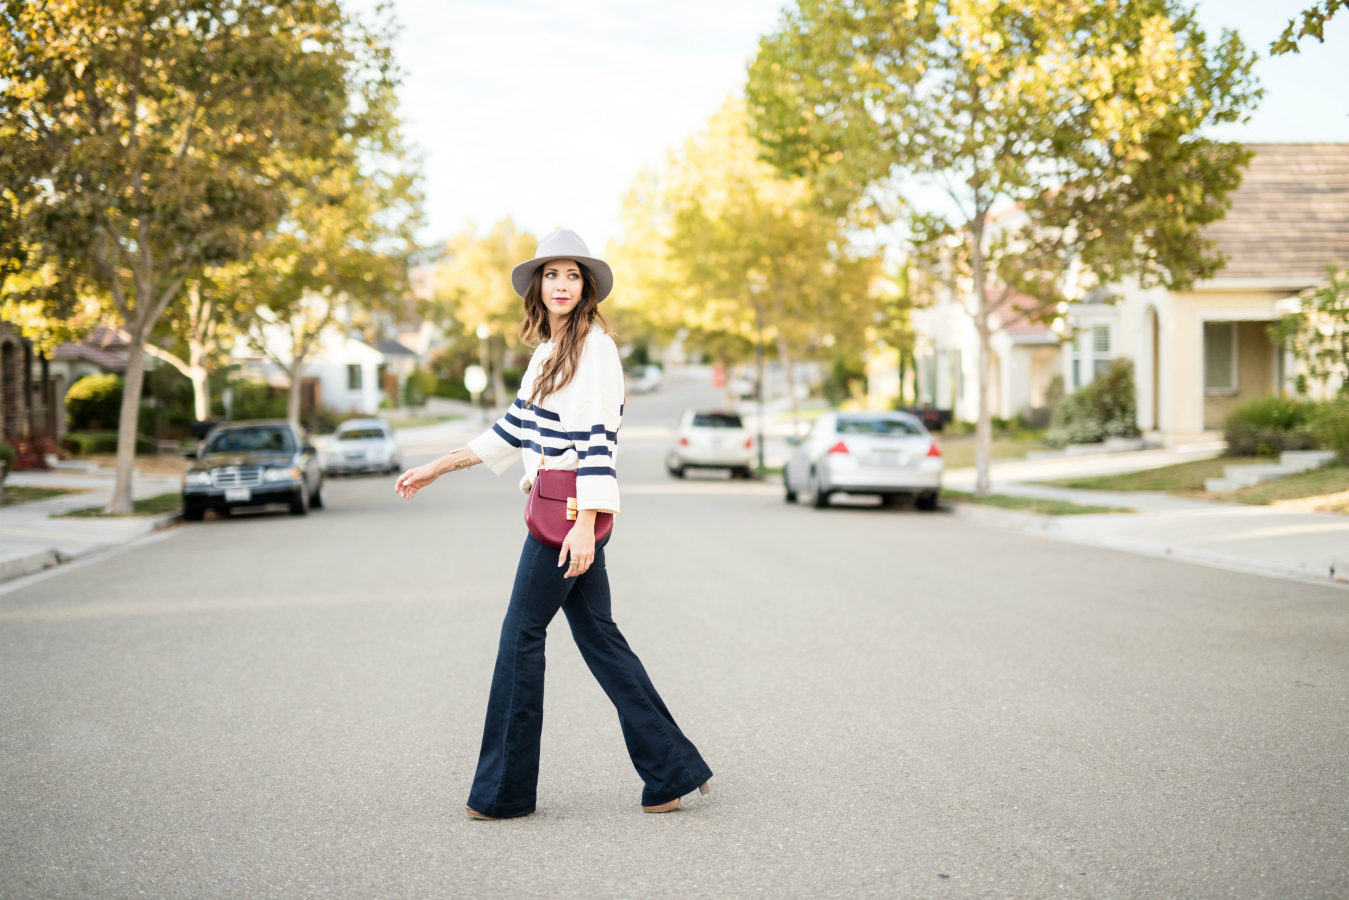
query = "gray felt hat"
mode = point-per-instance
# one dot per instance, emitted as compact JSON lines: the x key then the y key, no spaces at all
{"x":563,"y":244}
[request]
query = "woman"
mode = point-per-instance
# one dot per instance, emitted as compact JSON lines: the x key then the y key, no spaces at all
{"x":568,"y":411}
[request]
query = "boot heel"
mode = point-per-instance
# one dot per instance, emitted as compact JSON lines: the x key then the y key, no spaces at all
{"x":705,"y":787}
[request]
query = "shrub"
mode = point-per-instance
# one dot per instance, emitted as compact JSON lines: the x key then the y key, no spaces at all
{"x":1269,"y":425}
{"x":82,"y":443}
{"x":1330,"y":427}
{"x":252,"y":400}
{"x":94,"y":402}
{"x":1106,"y":408}
{"x":8,"y":457}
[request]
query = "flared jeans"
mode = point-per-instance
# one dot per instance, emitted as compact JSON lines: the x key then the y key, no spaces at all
{"x":508,"y":765}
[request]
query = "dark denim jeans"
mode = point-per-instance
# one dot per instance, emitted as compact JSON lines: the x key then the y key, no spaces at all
{"x":508,"y":765}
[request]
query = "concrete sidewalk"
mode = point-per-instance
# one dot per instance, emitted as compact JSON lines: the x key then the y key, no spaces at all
{"x":1261,"y":540}
{"x":32,"y":539}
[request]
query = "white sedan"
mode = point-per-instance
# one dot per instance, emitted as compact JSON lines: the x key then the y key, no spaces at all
{"x":711,"y":440}
{"x":886,"y":453}
{"x":362,"y":445}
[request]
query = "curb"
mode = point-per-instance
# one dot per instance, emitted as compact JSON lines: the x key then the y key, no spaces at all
{"x":1048,"y":527}
{"x":20,"y":566}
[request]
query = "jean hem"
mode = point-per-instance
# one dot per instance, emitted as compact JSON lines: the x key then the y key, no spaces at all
{"x":658,"y":799}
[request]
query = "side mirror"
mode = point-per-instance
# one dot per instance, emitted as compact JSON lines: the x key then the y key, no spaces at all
{"x":189,"y":454}
{"x":308,"y":448}
{"x":793,"y":441}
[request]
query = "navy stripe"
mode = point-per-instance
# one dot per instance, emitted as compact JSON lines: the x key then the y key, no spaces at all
{"x":550,"y":433}
{"x":544,"y":451}
{"x":539,"y":410}
{"x":513,"y":441}
{"x":596,"y":430}
{"x":594,"y":451}
{"x":514,"y":421}
{"x":597,"y":470}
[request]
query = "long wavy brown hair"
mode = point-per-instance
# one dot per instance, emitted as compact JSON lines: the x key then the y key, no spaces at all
{"x":559,"y":368}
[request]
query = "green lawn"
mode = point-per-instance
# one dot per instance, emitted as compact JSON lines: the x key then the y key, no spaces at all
{"x":150,"y":506}
{"x":1180,"y":477}
{"x":1316,"y":483}
{"x":959,"y":452}
{"x":1032,"y":505}
{"x":18,"y":493}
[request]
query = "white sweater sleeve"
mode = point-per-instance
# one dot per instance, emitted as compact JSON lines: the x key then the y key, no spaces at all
{"x":499,"y":446}
{"x":592,"y":422}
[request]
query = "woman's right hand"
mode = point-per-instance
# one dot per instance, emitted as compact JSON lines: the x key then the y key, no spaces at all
{"x":413,"y":480}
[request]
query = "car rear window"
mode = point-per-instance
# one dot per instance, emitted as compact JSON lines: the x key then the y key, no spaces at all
{"x":877,"y":425}
{"x":361,"y":434}
{"x":260,"y":438}
{"x":716,"y":420}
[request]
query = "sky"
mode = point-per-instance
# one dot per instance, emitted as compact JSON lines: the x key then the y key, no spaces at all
{"x":546,"y":111}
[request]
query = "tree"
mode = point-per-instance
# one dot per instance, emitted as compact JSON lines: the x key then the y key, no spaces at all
{"x":342,"y":248}
{"x":146,"y":140}
{"x":474,"y":284}
{"x":1085,"y":116}
{"x":201,"y":321}
{"x":742,"y":252}
{"x":1314,"y":19}
{"x":1318,"y":335}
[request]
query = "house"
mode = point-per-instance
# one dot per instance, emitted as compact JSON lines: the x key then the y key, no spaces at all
{"x":341,"y":372}
{"x":1196,"y":353}
{"x":1199,"y":353}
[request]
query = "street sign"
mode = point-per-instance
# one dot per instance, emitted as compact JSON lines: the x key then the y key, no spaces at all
{"x":475,"y":379}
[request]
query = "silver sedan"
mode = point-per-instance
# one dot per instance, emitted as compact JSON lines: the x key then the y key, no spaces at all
{"x":886,"y":453}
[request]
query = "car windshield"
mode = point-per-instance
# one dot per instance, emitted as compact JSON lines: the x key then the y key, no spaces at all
{"x":877,"y":425}
{"x":716,"y":420}
{"x":361,"y":434}
{"x":259,"y":438}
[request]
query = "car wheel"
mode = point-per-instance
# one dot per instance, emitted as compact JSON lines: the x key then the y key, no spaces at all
{"x":744,"y":472}
{"x":928,"y":502}
{"x":815,"y":495}
{"x":316,"y":498}
{"x":299,"y":504}
{"x":193,"y":513}
{"x":789,"y":495}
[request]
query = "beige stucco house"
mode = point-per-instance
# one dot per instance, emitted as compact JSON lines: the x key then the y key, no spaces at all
{"x":1199,"y":353}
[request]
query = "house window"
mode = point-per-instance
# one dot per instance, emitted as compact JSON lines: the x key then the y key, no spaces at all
{"x":354,"y":377}
{"x":1220,"y":357}
{"x":1100,"y":350}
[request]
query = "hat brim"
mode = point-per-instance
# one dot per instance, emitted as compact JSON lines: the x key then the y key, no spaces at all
{"x":604,"y":276}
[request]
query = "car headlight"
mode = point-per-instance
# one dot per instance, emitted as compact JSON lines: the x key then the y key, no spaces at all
{"x":197,"y":479}
{"x":289,"y":473}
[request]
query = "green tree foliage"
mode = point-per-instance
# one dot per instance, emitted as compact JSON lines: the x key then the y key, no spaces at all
{"x":94,"y":402}
{"x":1086,"y":117}
{"x":1318,"y":335}
{"x":1106,"y":408}
{"x":1314,"y":19}
{"x":473,"y":288}
{"x":732,"y":248}
{"x":146,"y":140}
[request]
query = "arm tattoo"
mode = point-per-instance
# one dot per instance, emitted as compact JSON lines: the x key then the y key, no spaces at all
{"x":462,"y":463}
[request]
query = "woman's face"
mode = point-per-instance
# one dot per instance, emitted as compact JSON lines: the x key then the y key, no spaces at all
{"x":562,"y":285}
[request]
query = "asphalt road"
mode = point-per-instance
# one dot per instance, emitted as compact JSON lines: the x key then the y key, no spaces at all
{"x":895,"y":704}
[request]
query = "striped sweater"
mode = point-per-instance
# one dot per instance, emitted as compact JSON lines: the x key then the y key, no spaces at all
{"x":575,"y":428}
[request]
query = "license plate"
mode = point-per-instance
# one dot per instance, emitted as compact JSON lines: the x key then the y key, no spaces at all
{"x":238,"y":495}
{"x":888,"y":458}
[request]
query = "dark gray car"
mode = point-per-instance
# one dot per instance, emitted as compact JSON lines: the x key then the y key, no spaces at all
{"x":253,"y":464}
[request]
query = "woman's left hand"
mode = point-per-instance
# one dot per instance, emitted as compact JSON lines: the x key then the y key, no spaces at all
{"x":579,"y":544}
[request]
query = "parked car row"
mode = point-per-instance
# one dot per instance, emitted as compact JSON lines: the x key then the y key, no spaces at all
{"x":886,"y":454}
{"x":257,"y":463}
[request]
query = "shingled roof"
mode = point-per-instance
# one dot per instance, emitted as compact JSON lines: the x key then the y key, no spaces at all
{"x":1290,"y":217}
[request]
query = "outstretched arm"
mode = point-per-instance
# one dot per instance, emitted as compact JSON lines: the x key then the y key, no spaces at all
{"x":413,"y":480}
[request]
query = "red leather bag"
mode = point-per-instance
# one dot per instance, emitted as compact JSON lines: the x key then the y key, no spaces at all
{"x":546,"y":508}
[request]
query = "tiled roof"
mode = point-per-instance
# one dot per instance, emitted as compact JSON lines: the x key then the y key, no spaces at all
{"x":393,"y":348}
{"x":109,"y":362}
{"x":1290,"y":217}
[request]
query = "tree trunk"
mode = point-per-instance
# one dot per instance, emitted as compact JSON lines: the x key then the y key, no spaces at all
{"x":728,"y":395}
{"x":201,"y":393}
{"x":498,"y":379}
{"x":295,"y":393}
{"x":983,"y":430}
{"x":121,"y":502}
{"x":785,"y":357}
